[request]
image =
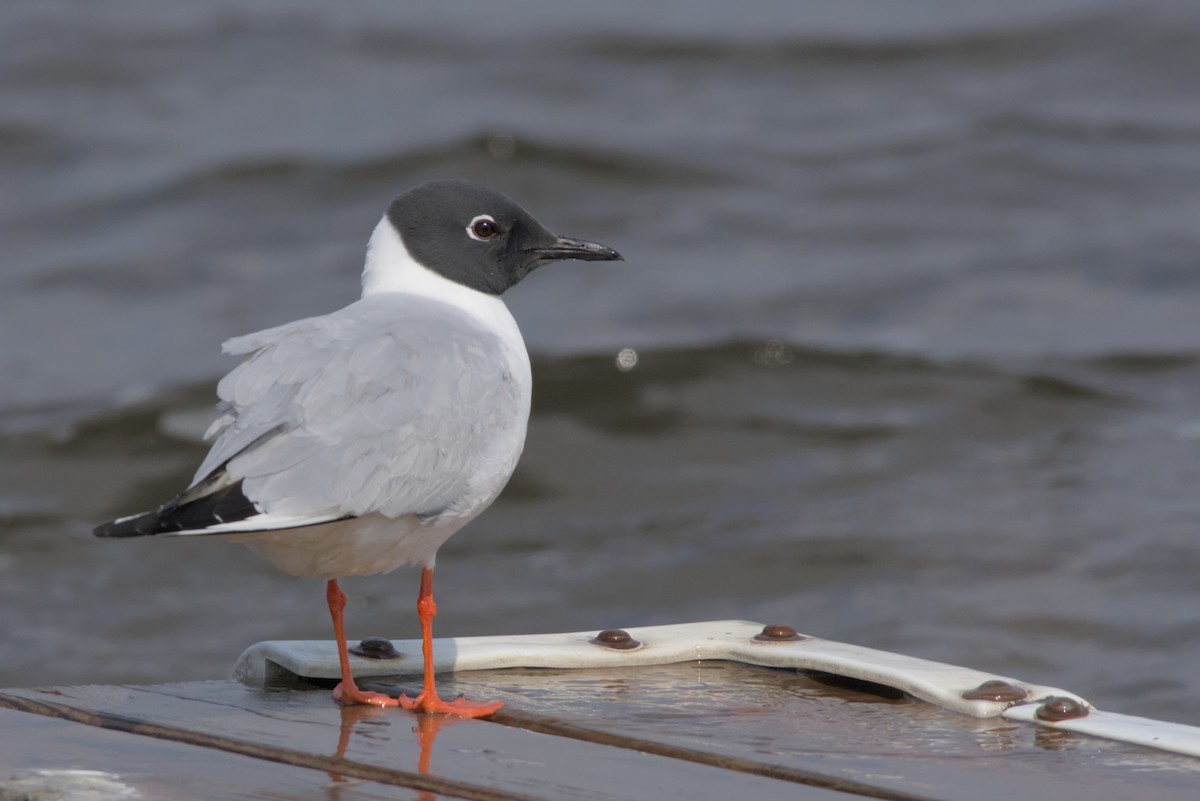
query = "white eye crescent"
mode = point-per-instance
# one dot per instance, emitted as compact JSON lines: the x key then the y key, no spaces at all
{"x":482,"y":228}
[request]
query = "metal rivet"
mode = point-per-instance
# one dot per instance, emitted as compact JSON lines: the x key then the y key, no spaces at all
{"x":1058,"y":708}
{"x":777,"y":632}
{"x":375,"y":648}
{"x":996,"y":690}
{"x":617,"y":639}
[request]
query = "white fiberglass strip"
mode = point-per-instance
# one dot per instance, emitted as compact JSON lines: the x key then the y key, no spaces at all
{"x":732,"y":640}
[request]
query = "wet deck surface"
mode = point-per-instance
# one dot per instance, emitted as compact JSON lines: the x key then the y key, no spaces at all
{"x":698,"y":731}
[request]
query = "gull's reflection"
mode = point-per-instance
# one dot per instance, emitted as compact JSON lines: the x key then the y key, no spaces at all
{"x":426,"y":729}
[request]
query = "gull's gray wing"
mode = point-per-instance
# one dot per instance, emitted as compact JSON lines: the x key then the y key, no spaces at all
{"x":390,"y":405}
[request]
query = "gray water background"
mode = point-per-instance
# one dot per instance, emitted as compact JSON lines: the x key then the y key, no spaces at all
{"x":914,"y":288}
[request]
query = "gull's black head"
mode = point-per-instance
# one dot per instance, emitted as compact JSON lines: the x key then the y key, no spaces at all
{"x":480,"y":238}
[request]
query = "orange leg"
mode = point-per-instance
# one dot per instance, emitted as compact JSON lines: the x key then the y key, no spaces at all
{"x":347,"y":692}
{"x":428,"y":700}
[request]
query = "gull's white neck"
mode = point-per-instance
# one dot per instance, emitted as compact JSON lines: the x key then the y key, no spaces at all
{"x":391,"y":268}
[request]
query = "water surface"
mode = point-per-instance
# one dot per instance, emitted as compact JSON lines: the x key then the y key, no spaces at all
{"x":913,"y":289}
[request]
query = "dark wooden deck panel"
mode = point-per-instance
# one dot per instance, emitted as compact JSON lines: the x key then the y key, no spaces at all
{"x":157,"y":768}
{"x":697,"y":731}
{"x":457,"y":758}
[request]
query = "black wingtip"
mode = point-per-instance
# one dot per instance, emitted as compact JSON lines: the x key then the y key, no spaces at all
{"x":225,"y":505}
{"x":127,"y":527}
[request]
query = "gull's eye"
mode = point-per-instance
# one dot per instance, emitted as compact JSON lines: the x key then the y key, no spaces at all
{"x":482,"y":228}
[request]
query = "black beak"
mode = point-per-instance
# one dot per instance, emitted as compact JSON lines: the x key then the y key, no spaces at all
{"x":564,"y":247}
